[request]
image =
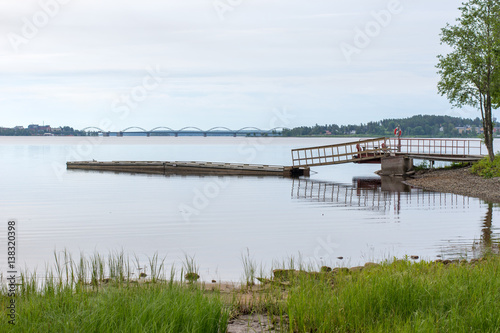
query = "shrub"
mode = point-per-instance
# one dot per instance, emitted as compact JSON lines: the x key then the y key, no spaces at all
{"x":487,"y":169}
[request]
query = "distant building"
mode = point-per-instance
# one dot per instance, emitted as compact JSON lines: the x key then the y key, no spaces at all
{"x":477,"y":130}
{"x":462,"y":130}
{"x":19,"y":127}
{"x":45,"y":128}
{"x":39,"y":129}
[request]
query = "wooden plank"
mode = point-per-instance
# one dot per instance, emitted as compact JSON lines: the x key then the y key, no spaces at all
{"x":190,"y":168}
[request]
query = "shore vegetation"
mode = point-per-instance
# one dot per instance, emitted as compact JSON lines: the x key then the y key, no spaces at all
{"x":98,"y":294}
{"x":486,"y":168}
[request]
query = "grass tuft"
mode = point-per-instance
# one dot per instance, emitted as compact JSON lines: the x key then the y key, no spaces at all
{"x":88,"y":295}
{"x":98,"y":295}
{"x":400,"y":296}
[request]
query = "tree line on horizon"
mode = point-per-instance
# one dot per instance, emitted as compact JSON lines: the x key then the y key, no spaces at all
{"x":65,"y":131}
{"x":420,"y":125}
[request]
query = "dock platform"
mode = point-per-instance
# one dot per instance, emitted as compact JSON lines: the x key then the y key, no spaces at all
{"x":193,"y":167}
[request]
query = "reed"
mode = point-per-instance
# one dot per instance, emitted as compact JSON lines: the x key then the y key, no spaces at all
{"x":249,"y":268}
{"x":191,"y":269}
{"x":400,"y":296}
{"x":98,"y":295}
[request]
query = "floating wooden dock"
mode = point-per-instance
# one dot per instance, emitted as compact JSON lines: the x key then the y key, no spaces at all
{"x":200,"y":168}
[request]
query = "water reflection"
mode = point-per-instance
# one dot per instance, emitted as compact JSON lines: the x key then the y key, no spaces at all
{"x":385,"y":193}
{"x":391,"y":194}
{"x":438,"y":223}
{"x":486,"y":234}
{"x":490,"y":242}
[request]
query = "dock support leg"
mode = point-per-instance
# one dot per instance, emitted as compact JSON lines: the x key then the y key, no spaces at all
{"x":396,"y":165}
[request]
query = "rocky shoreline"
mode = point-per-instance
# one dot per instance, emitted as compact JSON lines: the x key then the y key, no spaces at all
{"x":457,"y":181}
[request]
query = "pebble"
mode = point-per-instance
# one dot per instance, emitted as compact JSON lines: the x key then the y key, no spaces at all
{"x":250,"y":324}
{"x":458,"y":181}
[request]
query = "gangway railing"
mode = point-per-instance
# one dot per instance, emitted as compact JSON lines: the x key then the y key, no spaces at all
{"x":355,"y":151}
{"x":455,"y":147}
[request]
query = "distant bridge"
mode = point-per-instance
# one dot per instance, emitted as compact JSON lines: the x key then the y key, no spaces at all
{"x":187,"y":131}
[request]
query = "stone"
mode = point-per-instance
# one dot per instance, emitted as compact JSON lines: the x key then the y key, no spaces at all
{"x":283,"y":274}
{"x":356,"y":269}
{"x":340,"y":270}
{"x":369,"y":265}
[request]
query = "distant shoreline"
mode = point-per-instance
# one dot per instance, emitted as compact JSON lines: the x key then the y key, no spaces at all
{"x":270,"y":136}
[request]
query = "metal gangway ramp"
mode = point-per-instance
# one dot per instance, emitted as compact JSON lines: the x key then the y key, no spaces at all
{"x":356,"y":151}
{"x":372,"y":150}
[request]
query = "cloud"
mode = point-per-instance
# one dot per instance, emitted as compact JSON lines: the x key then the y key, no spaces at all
{"x":230,"y":72}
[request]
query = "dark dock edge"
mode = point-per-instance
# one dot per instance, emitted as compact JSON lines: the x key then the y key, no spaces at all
{"x":198,"y":168}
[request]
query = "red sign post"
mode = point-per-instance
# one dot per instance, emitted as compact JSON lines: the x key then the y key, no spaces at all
{"x":397,"y":132}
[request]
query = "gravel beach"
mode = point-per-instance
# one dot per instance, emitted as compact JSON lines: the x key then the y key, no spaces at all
{"x":458,"y":181}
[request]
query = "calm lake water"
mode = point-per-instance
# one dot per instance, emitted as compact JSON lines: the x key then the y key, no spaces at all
{"x":336,"y":212}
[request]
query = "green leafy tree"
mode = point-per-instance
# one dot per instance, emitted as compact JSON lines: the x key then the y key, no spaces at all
{"x":470,"y":72}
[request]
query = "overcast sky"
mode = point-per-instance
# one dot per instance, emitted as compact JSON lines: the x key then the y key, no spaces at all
{"x":230,"y":63}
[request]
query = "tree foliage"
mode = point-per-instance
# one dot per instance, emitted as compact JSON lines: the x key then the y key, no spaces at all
{"x":420,"y":125}
{"x":470,"y":72}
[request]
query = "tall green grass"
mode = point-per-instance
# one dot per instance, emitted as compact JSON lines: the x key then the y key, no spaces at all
{"x":133,"y":308}
{"x":400,"y":297}
{"x":104,"y":294}
{"x":97,"y":294}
